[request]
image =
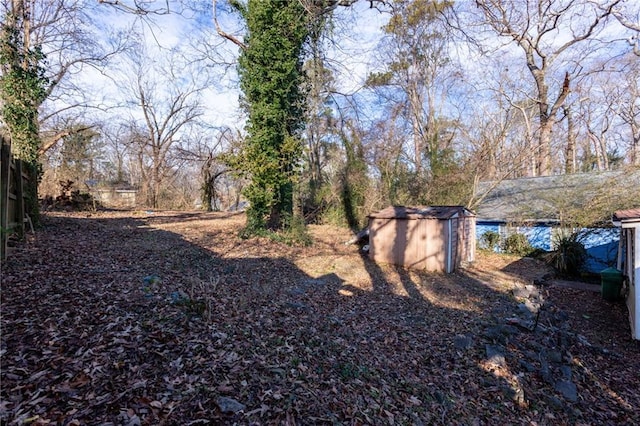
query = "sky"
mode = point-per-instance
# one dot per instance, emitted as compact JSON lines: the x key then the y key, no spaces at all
{"x":357,"y":33}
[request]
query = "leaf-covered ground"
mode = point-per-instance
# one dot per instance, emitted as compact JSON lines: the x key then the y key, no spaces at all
{"x":171,"y":319}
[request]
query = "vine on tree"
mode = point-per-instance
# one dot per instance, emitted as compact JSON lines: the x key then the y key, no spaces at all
{"x":22,"y":89}
{"x":271,"y":78}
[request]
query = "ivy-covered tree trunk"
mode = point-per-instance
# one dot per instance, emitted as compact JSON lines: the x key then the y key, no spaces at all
{"x":354,"y":180}
{"x":271,"y":77}
{"x":22,"y":90}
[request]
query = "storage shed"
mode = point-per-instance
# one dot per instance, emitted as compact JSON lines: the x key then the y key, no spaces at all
{"x":435,"y":238}
{"x":629,"y":261}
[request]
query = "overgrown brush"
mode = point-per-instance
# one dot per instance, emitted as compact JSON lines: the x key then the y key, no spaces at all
{"x":517,"y":244}
{"x":200,"y":298}
{"x":490,"y":240}
{"x":569,"y":255}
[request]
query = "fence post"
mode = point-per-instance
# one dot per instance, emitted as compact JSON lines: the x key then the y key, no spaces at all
{"x":20,"y":213}
{"x":5,"y":160}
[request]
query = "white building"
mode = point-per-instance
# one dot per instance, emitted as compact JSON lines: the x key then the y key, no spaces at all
{"x":629,"y":261}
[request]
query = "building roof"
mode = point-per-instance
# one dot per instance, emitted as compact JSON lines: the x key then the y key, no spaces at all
{"x":421,"y":212}
{"x":548,"y":198}
{"x":627,"y":215}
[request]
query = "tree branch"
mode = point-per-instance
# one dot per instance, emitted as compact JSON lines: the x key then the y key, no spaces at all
{"x":50,"y":141}
{"x":223,"y":33}
{"x":138,"y":8}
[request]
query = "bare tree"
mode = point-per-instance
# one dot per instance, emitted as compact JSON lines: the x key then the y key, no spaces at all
{"x":498,"y":133}
{"x":118,"y":143}
{"x":628,"y":15}
{"x":167,"y":97}
{"x":605,"y":112}
{"x":546,"y":31}
{"x":415,"y":52}
{"x":207,"y":150}
{"x":598,"y":124}
{"x":629,"y":109}
{"x":65,"y":30}
{"x":140,"y":7}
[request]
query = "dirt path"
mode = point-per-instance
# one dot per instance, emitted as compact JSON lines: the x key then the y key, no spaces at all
{"x":169,"y":318}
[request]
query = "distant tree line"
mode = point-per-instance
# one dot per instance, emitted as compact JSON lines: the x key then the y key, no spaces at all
{"x":456,"y":93}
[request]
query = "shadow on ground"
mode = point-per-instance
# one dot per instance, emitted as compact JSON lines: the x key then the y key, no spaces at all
{"x":117,"y":321}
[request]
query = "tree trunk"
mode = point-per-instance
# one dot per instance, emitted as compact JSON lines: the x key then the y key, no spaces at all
{"x":635,"y":145}
{"x":570,"y":151}
{"x":543,"y":155}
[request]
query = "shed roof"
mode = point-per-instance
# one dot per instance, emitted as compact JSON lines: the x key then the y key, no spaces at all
{"x":421,"y":212}
{"x":543,"y":199}
{"x":624,"y":215}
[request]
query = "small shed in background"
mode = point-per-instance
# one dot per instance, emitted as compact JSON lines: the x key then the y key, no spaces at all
{"x":629,"y":261}
{"x":435,"y":238}
{"x":116,"y":198}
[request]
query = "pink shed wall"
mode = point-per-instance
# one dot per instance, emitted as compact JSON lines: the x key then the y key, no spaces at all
{"x":422,"y":243}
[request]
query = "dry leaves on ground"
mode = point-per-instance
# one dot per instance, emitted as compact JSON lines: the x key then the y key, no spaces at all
{"x":131,"y":318}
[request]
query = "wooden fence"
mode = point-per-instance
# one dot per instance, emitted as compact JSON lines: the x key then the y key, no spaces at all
{"x":13,"y":180}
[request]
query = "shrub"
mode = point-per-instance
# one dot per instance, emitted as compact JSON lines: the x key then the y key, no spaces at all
{"x":293,"y":232}
{"x":490,"y":240}
{"x":296,"y":232}
{"x":569,"y":255}
{"x":517,"y":244}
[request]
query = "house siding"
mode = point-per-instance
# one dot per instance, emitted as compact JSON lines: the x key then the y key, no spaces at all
{"x":628,"y":222}
{"x":601,"y":244}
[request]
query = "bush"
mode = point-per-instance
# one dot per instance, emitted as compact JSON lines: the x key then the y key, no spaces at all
{"x":517,"y":244}
{"x":569,"y":255}
{"x":294,"y":232}
{"x":490,"y":240}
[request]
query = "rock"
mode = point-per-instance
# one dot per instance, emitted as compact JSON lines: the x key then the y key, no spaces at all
{"x":495,"y":355}
{"x":297,"y":305}
{"x":229,"y":405}
{"x":523,"y":324}
{"x":545,"y":371}
{"x":495,"y":333}
{"x":509,"y":330}
{"x":554,"y":356}
{"x":134,"y":421}
{"x":525,"y":291}
{"x":527,"y":366}
{"x":565,"y":370}
{"x":526,"y":309}
{"x":555,"y":402}
{"x":561,"y":316}
{"x":567,"y":389}
{"x":563,"y":341}
{"x":500,"y":333}
{"x":533,"y":356}
{"x":462,"y":342}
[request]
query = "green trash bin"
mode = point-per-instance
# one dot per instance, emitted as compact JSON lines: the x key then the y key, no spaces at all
{"x":612,"y":280}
